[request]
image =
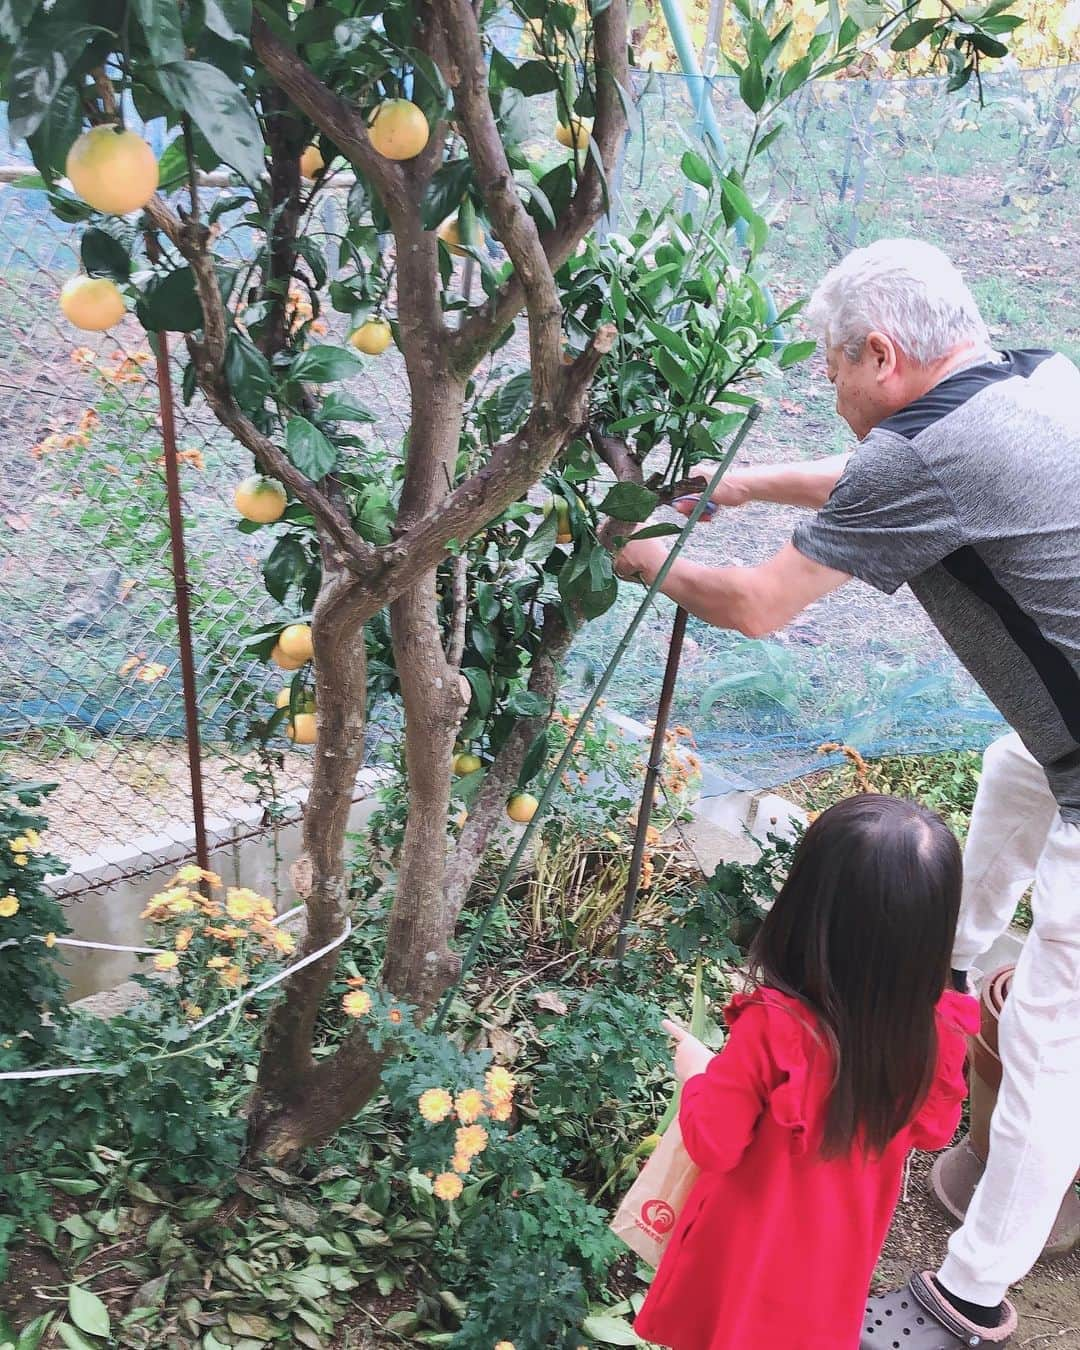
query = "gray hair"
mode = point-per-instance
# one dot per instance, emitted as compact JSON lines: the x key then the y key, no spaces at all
{"x":904,"y":288}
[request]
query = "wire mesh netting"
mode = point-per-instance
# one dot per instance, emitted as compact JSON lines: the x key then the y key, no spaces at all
{"x":91,"y":694}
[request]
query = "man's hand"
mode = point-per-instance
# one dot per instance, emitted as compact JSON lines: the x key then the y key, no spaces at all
{"x":640,"y":560}
{"x":732,"y":490}
{"x":691,"y":1056}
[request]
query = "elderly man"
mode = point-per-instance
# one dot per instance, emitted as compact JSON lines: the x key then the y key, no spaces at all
{"x":966,"y":486}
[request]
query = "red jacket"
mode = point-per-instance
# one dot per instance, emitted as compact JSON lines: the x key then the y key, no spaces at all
{"x":776,"y":1246}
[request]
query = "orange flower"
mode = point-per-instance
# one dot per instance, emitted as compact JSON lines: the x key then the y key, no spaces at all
{"x":217,"y":962}
{"x":356,"y":982}
{"x":281,"y":941}
{"x":448,"y":1186}
{"x":183,"y":939}
{"x":191,"y":872}
{"x":394,"y":1015}
{"x":357,"y":1002}
{"x":502,"y":1109}
{"x":461,"y":1162}
{"x":500,"y":1082}
{"x":470,"y":1105}
{"x":435,"y":1105}
{"x":469,"y":1141}
{"x":232,"y":977}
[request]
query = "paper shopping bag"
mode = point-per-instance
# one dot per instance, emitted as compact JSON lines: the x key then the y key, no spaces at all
{"x":651,"y":1206}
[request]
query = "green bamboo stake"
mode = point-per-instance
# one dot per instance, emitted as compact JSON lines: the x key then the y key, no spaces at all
{"x":510,"y":870}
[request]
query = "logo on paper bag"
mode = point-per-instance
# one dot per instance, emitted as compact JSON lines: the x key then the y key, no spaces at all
{"x":657,"y":1218}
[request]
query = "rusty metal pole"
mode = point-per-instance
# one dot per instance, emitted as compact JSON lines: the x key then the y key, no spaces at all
{"x":652,"y":773}
{"x":182,"y":594}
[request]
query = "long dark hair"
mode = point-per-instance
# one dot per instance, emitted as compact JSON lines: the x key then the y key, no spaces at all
{"x":862,"y":933}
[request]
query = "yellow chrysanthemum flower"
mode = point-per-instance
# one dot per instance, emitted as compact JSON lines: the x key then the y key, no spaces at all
{"x":499,"y":1082}
{"x":470,"y":1105}
{"x":217,"y":963}
{"x":471,"y":1140}
{"x":19,"y":859}
{"x":435,"y":1105}
{"x":232,"y":977}
{"x":502,"y":1109}
{"x":448,"y":1186}
{"x":9,"y":906}
{"x":357,"y":1002}
{"x":34,"y":839}
{"x":281,"y":941}
{"x":461,"y":1162}
{"x":20,"y":844}
{"x":504,"y":1345}
{"x":182,"y":941}
{"x":50,"y":939}
{"x":166,"y":961}
{"x":191,"y":872}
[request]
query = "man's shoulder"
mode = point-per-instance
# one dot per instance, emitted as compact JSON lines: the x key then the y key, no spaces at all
{"x":993,"y":383}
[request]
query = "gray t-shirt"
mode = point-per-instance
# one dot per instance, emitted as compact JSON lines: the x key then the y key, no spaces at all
{"x":971,"y":495}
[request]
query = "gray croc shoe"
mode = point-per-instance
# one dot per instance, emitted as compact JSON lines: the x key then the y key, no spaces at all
{"x":918,"y":1318}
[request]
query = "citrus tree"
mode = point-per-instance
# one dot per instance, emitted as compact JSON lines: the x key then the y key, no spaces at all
{"x":430,"y":577}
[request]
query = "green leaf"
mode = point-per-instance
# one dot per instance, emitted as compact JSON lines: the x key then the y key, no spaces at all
{"x":736,"y":198}
{"x":74,"y":1185}
{"x":160,"y":22}
{"x":87,"y":1311}
{"x":795,"y":352}
{"x":768,"y":138}
{"x":248,"y":373}
{"x":56,"y":133}
{"x":319,"y":365}
{"x":104,"y":256}
{"x":74,"y":1340}
{"x":443,"y":194}
{"x":534,"y":77}
{"x":752,"y":86}
{"x":665,"y":527}
{"x":220,"y":111}
{"x":229,"y":19}
{"x":170,"y":303}
{"x":308,"y":448}
{"x":285,"y":562}
{"x":696,"y":168}
{"x":337,"y":409}
{"x":513,"y":401}
{"x":629,"y":501}
{"x":610,"y":1330}
{"x":913,"y":34}
{"x":543,"y":539}
{"x":535,"y":759}
{"x":40,"y":66}
{"x":481,"y":687}
{"x":525,"y":703}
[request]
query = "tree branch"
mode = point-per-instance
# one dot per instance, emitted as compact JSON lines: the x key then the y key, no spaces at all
{"x":483,"y":326}
{"x":209,"y":357}
{"x":514,"y":226}
{"x":615,"y":453}
{"x":332,"y":114}
{"x":459,"y":600}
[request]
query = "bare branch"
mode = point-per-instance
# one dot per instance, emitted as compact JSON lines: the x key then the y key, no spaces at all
{"x":459,"y":599}
{"x":332,"y":114}
{"x":514,"y":226}
{"x":482,"y":328}
{"x":615,"y":453}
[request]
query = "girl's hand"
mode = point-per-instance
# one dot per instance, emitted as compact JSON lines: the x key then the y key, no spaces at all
{"x":691,"y":1057}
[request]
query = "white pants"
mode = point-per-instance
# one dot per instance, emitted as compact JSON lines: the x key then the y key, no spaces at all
{"x":1017,"y":836}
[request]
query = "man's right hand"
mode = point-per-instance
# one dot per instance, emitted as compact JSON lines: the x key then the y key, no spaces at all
{"x":732,"y":490}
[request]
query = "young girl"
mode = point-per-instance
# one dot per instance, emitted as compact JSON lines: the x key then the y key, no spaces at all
{"x":848,"y":1054}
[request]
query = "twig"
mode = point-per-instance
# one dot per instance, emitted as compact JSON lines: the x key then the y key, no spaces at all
{"x":455,"y":647}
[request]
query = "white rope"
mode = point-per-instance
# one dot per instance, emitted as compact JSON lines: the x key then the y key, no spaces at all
{"x":72,"y":1072}
{"x":116,"y":946}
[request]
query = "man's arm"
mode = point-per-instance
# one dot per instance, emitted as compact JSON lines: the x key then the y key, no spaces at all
{"x":808,"y":483}
{"x":754,"y":601}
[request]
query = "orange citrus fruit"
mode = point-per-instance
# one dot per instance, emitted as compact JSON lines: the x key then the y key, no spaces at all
{"x":372,"y":337}
{"x":295,"y":642}
{"x":111,"y":170}
{"x":283,"y":660}
{"x":260,"y":499}
{"x":92,"y":303}
{"x":398,"y":129}
{"x":522,"y":807}
{"x":301,"y":728}
{"x":575,"y":135}
{"x":311,"y":162}
{"x":466,"y":763}
{"x":450,"y":233}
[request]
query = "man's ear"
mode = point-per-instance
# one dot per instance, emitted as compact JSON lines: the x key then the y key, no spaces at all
{"x":883,"y":353}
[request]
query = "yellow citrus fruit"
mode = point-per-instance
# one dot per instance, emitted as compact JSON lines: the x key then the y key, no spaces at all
{"x":260,"y":499}
{"x":466,"y":763}
{"x":295,"y":642}
{"x":372,"y":337}
{"x":301,"y":728}
{"x":92,"y":303}
{"x":113,"y":171}
{"x":575,"y":135}
{"x":311,"y":162}
{"x":284,"y":661}
{"x":522,"y":807}
{"x":450,"y":233}
{"x":398,"y":129}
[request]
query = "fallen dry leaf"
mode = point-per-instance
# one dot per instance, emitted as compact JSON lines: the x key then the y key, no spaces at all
{"x":549,"y":1000}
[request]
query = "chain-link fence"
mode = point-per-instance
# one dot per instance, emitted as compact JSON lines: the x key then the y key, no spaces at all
{"x":89,"y":670}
